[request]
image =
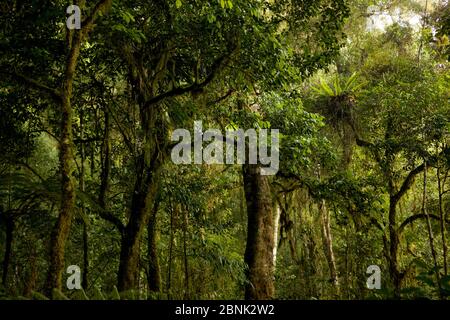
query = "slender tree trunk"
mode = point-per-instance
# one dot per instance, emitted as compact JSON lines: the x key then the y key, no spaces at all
{"x":442,"y":222}
{"x":154,"y":272}
{"x":85,"y":282}
{"x":186,"y":261}
{"x":260,"y":232}
{"x":83,"y":208}
{"x":430,"y":231}
{"x":171,"y":244}
{"x":30,"y":284}
{"x":106,"y":162}
{"x":66,"y":159}
{"x":275,"y":233}
{"x":8,"y":248}
{"x":328,"y":245}
{"x":393,"y":248}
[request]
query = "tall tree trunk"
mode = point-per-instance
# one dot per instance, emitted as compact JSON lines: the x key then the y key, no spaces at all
{"x":144,"y":196}
{"x":85,"y":282}
{"x":105,"y":162}
{"x":30,"y":283}
{"x":66,"y":160}
{"x":171,"y":245}
{"x":328,"y":245}
{"x":66,"y":157}
{"x":442,"y":222}
{"x":186,"y":261}
{"x":83,"y":208}
{"x":430,"y":231}
{"x":394,"y":271}
{"x":148,"y":166}
{"x":276,"y":228}
{"x":8,"y":248}
{"x":260,"y":232}
{"x":154,"y":272}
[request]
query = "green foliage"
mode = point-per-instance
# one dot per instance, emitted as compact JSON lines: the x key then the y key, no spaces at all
{"x":339,"y":87}
{"x":358,"y":113}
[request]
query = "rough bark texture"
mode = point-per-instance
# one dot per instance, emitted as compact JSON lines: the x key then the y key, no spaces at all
{"x":62,"y":227}
{"x":148,"y":167}
{"x":66,"y":157}
{"x":151,"y":155}
{"x":144,"y":196}
{"x":260,"y":240}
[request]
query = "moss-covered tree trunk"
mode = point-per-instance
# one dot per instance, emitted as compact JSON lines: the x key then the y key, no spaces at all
{"x":66,"y":156}
{"x":152,"y":153}
{"x":148,"y":167}
{"x":144,"y":196}
{"x":66,"y":162}
{"x":260,"y":235}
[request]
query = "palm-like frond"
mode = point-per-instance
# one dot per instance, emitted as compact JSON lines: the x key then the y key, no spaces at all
{"x":339,"y":86}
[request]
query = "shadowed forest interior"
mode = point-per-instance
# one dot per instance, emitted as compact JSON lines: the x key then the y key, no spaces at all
{"x":358,"y":89}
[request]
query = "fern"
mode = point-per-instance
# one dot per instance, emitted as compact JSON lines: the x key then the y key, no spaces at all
{"x":339,"y":87}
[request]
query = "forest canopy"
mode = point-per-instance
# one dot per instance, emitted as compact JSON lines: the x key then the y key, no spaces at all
{"x":224,"y":149}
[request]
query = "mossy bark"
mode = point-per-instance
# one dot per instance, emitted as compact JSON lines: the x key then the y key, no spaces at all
{"x":143,"y":200}
{"x":260,"y":235}
{"x":66,"y":160}
{"x":66,"y":156}
{"x":148,"y":167}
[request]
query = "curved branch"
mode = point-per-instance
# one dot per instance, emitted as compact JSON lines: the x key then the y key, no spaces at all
{"x":108,"y":216}
{"x":218,"y":64}
{"x":407,"y":183}
{"x":415,"y":217}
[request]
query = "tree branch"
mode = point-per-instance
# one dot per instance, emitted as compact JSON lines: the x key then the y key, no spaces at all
{"x":407,"y":183}
{"x":89,"y":21}
{"x":29,"y":168}
{"x":108,"y":216}
{"x":54,"y":93}
{"x":222,"y":98}
{"x":415,"y":217}
{"x":366,"y":144}
{"x":193,"y":87}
